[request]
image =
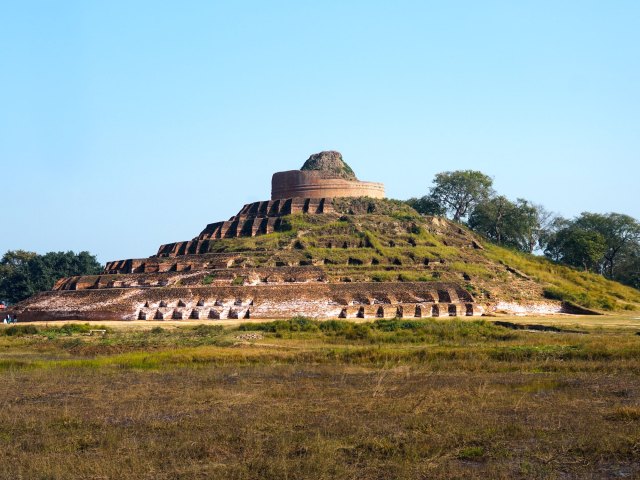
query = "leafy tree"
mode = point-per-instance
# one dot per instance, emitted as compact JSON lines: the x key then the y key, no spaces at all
{"x":620,"y":235}
{"x":23,"y":274}
{"x":620,"y":232}
{"x":459,"y":191}
{"x":14,"y":282}
{"x":536,"y":222}
{"x":548,"y":234}
{"x":628,"y":269}
{"x":426,"y":205}
{"x":577,"y":247}
{"x":15,"y":259}
{"x":518,"y":224}
{"x":608,"y":244}
{"x":494,"y":218}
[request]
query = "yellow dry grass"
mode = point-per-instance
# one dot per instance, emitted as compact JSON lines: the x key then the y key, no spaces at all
{"x":426,"y":399}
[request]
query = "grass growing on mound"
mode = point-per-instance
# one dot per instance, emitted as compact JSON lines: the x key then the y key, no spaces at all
{"x":375,"y":206}
{"x":384,"y":241}
{"x":473,"y":269}
{"x":564,"y":283}
{"x":271,"y":241}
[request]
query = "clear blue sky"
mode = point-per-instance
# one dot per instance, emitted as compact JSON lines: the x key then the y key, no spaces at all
{"x":128,"y":124}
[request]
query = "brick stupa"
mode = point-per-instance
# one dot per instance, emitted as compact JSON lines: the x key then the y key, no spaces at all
{"x":326,"y":245}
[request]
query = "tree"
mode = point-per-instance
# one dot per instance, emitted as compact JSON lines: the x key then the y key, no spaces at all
{"x":14,"y":282}
{"x":628,"y":269}
{"x":518,"y":224}
{"x":536,"y":222}
{"x":548,"y":234}
{"x":620,"y":232}
{"x":615,"y":236}
{"x":493,"y":218}
{"x":23,"y":274}
{"x":577,"y":247}
{"x":15,"y":259}
{"x":426,"y":206}
{"x":459,"y":191}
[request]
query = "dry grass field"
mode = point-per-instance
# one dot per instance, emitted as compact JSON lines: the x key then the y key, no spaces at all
{"x":300,"y":399}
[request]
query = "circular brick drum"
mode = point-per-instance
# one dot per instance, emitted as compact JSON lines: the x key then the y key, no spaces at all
{"x":311,"y":184}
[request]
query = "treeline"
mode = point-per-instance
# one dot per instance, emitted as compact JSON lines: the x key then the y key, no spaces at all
{"x":608,"y":244}
{"x":23,"y":274}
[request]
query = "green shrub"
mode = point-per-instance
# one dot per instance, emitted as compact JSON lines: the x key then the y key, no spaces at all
{"x":19,"y":330}
{"x":471,"y":453}
{"x":71,"y":328}
{"x":553,"y":293}
{"x":394,"y":325}
{"x":295,"y":324}
{"x":203,"y":330}
{"x":335,"y":326}
{"x":358,"y":331}
{"x":72,"y":343}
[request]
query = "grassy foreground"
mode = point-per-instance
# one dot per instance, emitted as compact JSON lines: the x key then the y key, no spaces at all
{"x":301,"y":399}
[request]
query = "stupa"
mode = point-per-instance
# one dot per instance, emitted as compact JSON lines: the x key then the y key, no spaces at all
{"x":326,"y":245}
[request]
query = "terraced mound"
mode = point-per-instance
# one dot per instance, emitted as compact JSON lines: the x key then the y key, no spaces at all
{"x":323,"y":257}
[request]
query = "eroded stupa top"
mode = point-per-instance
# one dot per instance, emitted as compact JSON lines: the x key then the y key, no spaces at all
{"x":329,"y":164}
{"x":323,"y":175}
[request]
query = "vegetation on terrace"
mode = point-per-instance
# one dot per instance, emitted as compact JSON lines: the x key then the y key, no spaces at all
{"x":606,"y":243}
{"x":564,"y":283}
{"x":387,"y":241}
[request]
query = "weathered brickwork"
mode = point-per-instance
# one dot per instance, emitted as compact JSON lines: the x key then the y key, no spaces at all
{"x":304,"y":252}
{"x":296,"y":183}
